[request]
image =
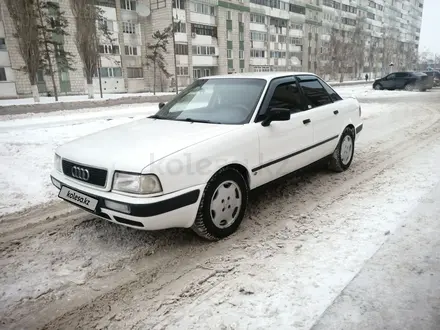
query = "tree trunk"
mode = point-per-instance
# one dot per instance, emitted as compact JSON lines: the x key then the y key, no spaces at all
{"x":90,"y":93}
{"x":47,"y":55}
{"x":35,"y":93}
{"x":89,"y":80}
{"x":154,"y":79}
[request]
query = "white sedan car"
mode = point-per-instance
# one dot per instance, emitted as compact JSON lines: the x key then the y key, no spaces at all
{"x":193,"y":163}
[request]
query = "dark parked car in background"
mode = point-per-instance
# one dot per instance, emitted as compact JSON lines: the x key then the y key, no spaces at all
{"x":436,"y":78}
{"x":403,"y":80}
{"x":430,"y":75}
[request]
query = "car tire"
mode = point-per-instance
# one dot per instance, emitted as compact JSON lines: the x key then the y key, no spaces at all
{"x":219,"y":217}
{"x":409,"y":87}
{"x":378,"y":87}
{"x":342,"y":157}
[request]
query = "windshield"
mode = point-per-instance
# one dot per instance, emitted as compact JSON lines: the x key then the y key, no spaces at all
{"x":220,"y":101}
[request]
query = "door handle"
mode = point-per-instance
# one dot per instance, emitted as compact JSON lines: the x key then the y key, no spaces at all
{"x":306,"y":121}
{"x":336,"y":112}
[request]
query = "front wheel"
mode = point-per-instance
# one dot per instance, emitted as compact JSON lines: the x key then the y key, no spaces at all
{"x":378,"y":87}
{"x":222,"y":206}
{"x":409,"y":87}
{"x":343,"y":155}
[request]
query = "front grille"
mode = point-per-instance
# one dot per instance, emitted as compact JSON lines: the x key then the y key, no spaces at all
{"x":96,"y":176}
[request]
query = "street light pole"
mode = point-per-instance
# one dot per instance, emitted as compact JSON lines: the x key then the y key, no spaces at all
{"x":176,"y":85}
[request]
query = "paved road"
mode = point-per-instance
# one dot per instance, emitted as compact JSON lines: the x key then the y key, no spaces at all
{"x":399,"y":287}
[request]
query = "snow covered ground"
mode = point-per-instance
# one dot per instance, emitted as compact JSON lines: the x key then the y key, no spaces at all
{"x":303,"y":240}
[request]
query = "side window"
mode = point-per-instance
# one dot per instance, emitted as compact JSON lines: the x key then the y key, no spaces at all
{"x":287,"y":96}
{"x":333,"y":95}
{"x":391,"y":76}
{"x":401,"y":75}
{"x":315,"y":94}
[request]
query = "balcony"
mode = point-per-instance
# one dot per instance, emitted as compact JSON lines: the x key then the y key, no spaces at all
{"x":202,"y":19}
{"x":181,"y":37}
{"x":202,"y":60}
{"x":203,"y":40}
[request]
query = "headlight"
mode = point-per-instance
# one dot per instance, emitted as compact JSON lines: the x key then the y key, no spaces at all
{"x":137,"y":183}
{"x":57,"y":163}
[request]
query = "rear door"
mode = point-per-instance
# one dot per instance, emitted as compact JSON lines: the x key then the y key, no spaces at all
{"x":325,"y":114}
{"x":401,"y":79}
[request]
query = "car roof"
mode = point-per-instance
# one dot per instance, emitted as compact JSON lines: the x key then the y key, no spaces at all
{"x":259,"y":75}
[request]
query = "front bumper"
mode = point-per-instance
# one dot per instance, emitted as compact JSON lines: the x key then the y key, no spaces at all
{"x":175,"y":210}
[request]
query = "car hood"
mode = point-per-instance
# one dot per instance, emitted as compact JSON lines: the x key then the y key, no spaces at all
{"x":133,"y":146}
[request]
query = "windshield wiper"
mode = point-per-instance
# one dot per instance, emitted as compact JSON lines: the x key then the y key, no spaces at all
{"x":158,"y":117}
{"x":199,"y":121}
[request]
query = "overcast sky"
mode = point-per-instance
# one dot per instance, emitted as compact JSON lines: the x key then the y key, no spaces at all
{"x":429,"y":37}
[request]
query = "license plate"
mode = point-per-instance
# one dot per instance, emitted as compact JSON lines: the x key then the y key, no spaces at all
{"x":78,"y":198}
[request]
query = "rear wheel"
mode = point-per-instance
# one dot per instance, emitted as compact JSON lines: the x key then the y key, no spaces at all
{"x":222,"y":206}
{"x":343,"y":155}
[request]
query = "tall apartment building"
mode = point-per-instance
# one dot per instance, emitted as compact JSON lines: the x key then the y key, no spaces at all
{"x":218,"y":37}
{"x":7,"y":75}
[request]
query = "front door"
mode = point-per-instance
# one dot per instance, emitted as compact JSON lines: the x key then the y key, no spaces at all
{"x":389,"y":82}
{"x":283,"y":144}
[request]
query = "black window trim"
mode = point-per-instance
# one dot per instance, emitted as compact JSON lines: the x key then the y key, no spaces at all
{"x":273,"y":84}
{"x":318,"y":79}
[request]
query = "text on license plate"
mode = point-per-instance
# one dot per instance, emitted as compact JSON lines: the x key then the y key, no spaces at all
{"x":78,"y":198}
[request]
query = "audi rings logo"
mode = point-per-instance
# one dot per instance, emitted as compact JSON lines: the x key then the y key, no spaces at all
{"x":80,"y":173}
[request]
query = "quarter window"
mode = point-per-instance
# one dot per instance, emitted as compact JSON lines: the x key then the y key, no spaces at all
{"x":315,"y":93}
{"x":287,"y":96}
{"x":333,"y":95}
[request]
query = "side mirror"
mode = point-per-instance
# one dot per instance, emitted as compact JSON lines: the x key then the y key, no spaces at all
{"x":161,"y":105}
{"x":276,"y":114}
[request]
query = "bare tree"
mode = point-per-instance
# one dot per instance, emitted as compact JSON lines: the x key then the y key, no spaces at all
{"x":53,"y":26}
{"x":358,"y":45}
{"x":24,"y":17}
{"x":156,"y":51}
{"x":373,"y":55}
{"x":89,"y":31}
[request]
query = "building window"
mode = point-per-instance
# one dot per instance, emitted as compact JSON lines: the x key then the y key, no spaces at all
{"x":135,"y":73}
{"x":230,"y":54}
{"x":128,"y":4}
{"x":201,"y":8}
{"x":258,"y":36}
{"x":241,"y":36}
{"x":204,"y":30}
{"x":109,"y":49}
{"x":297,"y":9}
{"x":2,"y":74}
{"x":157,"y":4}
{"x":257,"y":18}
{"x":181,"y":49}
{"x":371,"y":15}
{"x":2,"y":44}
{"x":180,"y":27}
{"x":131,"y":50}
{"x":110,"y":73}
{"x":106,"y":3}
{"x":203,"y":50}
{"x":241,"y":54}
{"x":229,"y":15}
{"x":64,"y":75}
{"x":258,"y":53}
{"x":240,"y":17}
{"x":182,"y":71}
{"x":128,"y":27}
{"x":179,"y":4}
{"x":106,"y":24}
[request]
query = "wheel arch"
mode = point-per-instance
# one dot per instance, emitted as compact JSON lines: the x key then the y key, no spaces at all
{"x":239,"y":168}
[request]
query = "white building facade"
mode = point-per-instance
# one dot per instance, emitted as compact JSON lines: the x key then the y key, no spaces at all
{"x":218,"y":37}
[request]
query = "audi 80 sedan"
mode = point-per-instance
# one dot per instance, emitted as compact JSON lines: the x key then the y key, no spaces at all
{"x":193,"y":163}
